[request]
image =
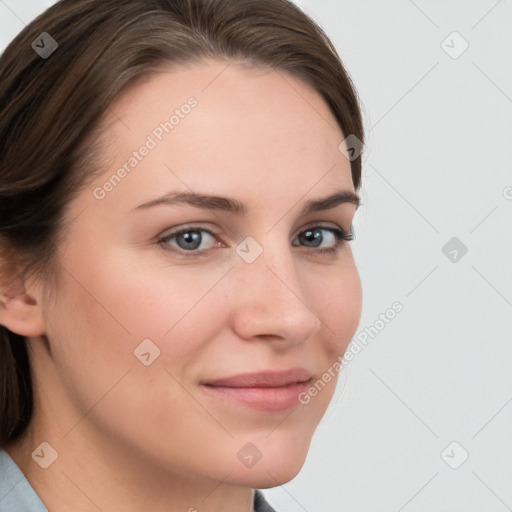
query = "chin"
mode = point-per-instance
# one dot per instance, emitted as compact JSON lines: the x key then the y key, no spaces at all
{"x":276,"y":467}
{"x":265,"y":478}
{"x":280,"y":476}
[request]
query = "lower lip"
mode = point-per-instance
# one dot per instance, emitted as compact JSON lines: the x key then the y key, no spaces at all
{"x":276,"y":399}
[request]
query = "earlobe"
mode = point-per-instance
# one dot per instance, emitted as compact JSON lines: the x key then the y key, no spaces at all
{"x":20,"y":312}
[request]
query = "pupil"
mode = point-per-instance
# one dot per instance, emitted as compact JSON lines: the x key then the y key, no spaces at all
{"x":317,"y":236}
{"x":190,"y":237}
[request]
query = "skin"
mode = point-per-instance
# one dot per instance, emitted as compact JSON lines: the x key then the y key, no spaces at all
{"x":133,"y":437}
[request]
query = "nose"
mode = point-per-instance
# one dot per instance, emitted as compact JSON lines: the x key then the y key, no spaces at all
{"x":271,"y":302}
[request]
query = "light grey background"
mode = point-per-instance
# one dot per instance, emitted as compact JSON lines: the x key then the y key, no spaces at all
{"x":437,"y":165}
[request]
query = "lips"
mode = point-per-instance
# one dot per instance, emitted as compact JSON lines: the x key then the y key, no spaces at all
{"x":268,"y":391}
{"x":265,"y":379}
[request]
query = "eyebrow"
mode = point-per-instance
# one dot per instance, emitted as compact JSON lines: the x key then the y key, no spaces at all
{"x":226,"y":204}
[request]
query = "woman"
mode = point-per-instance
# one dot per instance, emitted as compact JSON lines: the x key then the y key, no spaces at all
{"x":178,"y":180}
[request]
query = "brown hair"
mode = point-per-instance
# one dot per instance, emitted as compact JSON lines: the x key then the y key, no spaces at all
{"x":50,"y":106}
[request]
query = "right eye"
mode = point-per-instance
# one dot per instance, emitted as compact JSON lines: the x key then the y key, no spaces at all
{"x":188,"y":240}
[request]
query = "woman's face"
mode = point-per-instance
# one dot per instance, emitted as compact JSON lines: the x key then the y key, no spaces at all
{"x":138,"y":325}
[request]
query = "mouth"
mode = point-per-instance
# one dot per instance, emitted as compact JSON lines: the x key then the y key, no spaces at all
{"x":268,"y":391}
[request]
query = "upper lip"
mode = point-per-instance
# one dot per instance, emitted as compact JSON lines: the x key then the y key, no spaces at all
{"x":264,"y":379}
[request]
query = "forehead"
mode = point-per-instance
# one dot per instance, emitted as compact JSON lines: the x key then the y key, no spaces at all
{"x":225,"y":128}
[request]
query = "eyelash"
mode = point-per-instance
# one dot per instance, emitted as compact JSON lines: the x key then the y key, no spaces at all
{"x":342,"y":237}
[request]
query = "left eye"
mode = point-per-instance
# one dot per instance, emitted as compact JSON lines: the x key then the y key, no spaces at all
{"x":190,"y":239}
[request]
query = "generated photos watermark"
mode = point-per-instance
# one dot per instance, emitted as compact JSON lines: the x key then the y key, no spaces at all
{"x":353,"y":349}
{"x":157,"y":135}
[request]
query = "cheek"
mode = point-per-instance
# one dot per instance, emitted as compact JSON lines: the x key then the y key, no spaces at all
{"x":98,"y":321}
{"x":339,"y":306}
{"x":349,"y":305}
{"x":141,"y":291}
{"x":114,"y":302}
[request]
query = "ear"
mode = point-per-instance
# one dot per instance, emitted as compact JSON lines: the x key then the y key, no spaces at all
{"x":20,"y":311}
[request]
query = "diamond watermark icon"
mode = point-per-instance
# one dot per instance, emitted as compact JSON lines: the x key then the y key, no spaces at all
{"x":249,"y":455}
{"x":249,"y":249}
{"x":45,"y":455}
{"x":146,"y":352}
{"x":454,"y":249}
{"x":454,"y":455}
{"x":44,"y":45}
{"x":351,"y":147}
{"x":454,"y":45}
